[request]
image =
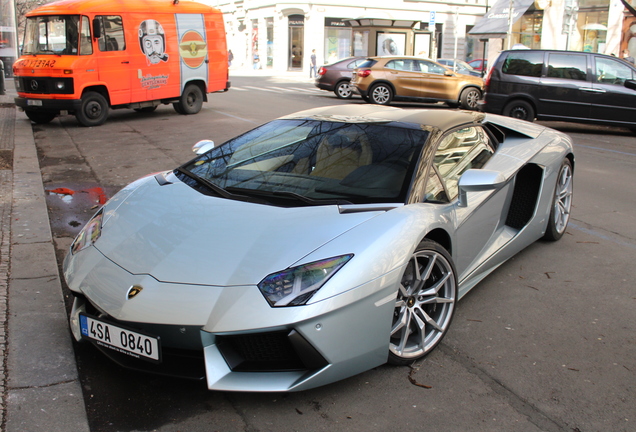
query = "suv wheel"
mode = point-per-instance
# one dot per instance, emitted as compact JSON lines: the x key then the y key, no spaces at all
{"x":469,"y":98}
{"x":519,"y":109}
{"x":381,"y":94}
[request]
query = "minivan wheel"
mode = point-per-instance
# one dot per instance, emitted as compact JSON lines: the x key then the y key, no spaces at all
{"x":469,"y":98}
{"x":381,"y":94}
{"x":519,"y":109}
{"x":191,"y":100}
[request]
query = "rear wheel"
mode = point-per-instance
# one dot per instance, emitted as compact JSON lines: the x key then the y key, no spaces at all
{"x":343,"y":90}
{"x":469,"y":98}
{"x":40,"y":117}
{"x":191,"y":100}
{"x":381,"y":94}
{"x":519,"y":109}
{"x":93,"y":110}
{"x":425,"y":304}
{"x":561,"y":203}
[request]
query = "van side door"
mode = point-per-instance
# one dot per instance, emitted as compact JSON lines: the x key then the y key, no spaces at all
{"x":612,"y":101}
{"x":113,"y":59}
{"x":566,"y":87}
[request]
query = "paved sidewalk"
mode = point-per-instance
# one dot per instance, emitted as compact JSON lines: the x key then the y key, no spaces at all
{"x":40,"y":389}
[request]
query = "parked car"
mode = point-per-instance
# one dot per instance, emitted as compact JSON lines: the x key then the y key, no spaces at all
{"x":316,"y":246}
{"x":381,"y":80}
{"x":459,"y":66}
{"x":562,"y":85}
{"x":480,"y":65}
{"x":336,"y":76}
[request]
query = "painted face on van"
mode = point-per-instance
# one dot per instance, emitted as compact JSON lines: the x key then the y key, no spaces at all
{"x":152,"y":41}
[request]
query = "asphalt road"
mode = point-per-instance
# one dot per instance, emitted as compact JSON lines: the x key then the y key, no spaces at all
{"x":545,"y":343}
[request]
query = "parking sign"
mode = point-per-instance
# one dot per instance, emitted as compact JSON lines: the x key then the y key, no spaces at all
{"x":431,"y":21}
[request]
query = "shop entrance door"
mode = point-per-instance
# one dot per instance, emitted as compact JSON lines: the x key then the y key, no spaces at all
{"x":296,"y":44}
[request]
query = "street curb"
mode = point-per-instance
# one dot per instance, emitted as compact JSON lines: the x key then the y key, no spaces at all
{"x":43,"y":389}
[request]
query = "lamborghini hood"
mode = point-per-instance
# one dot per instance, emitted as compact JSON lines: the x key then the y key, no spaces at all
{"x":178,"y":235}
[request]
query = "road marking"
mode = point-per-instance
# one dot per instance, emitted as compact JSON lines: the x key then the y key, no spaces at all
{"x":261,"y":89}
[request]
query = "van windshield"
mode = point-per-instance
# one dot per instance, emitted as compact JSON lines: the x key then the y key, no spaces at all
{"x":52,"y":34}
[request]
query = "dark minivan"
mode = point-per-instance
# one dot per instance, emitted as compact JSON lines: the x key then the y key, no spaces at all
{"x":562,"y":85}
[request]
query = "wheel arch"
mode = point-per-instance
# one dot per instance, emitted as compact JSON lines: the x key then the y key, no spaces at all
{"x":101,"y":89}
{"x":469,"y":86}
{"x":523,"y":97}
{"x":442,"y":237}
{"x":199,"y":83}
{"x":383,"y":81}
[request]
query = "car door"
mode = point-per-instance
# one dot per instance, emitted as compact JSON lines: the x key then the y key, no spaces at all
{"x":611,"y":100}
{"x":436,"y":84}
{"x":113,"y":58}
{"x":566,"y":88}
{"x":479,"y":222}
{"x":405,"y":76}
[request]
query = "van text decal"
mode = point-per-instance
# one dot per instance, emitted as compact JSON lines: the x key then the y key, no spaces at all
{"x":35,"y":63}
{"x":152,"y":41}
{"x":152,"y":82}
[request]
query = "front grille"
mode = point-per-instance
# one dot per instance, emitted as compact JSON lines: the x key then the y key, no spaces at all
{"x":269,"y":352}
{"x":44,"y":85}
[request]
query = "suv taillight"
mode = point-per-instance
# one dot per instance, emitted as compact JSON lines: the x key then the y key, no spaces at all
{"x":322,"y":71}
{"x":487,"y":78}
{"x":364,"y":73}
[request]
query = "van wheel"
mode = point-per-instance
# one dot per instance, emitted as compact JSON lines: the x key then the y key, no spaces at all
{"x":94,"y":110}
{"x":469,"y":98}
{"x":191,"y":100}
{"x":519,"y":109}
{"x":40,"y":117}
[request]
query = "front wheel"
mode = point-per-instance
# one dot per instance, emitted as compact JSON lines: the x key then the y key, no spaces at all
{"x":425,"y":304}
{"x":343,"y":90}
{"x":93,"y":110}
{"x":469,"y":98}
{"x":191,"y":100}
{"x":519,"y":109}
{"x":40,"y":117}
{"x":561,"y":203}
{"x":381,"y":94}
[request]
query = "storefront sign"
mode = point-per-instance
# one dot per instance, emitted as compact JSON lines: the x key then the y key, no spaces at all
{"x":296,"y":21}
{"x":336,"y":22}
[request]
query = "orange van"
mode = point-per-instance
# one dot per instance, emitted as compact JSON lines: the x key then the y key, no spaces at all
{"x":83,"y":57}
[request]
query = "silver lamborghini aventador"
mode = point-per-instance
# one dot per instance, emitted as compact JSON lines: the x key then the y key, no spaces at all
{"x":316,"y":246}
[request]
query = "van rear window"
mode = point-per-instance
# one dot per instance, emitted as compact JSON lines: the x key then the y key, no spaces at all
{"x":525,"y":63}
{"x":567,"y":66}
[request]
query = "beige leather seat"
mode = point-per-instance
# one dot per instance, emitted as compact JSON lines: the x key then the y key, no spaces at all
{"x":338,"y":155}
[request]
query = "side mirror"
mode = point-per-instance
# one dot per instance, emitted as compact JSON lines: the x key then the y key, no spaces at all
{"x":630,"y":84}
{"x":96,"y":29}
{"x":203,"y":146}
{"x":476,"y":180}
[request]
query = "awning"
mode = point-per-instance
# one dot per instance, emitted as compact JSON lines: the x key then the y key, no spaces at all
{"x":495,"y":23}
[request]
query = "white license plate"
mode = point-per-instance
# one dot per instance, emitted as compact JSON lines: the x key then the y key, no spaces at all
{"x":34,"y":102}
{"x":119,"y":339}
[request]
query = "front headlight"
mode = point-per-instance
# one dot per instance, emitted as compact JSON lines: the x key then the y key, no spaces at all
{"x":89,"y":234}
{"x":296,"y":285}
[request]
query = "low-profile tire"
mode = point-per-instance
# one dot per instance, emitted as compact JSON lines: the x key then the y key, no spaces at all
{"x":40,"y":117}
{"x":93,"y":110}
{"x":469,"y":98}
{"x":148,"y":109}
{"x":425,"y":304}
{"x":191,"y":100}
{"x":519,"y":109}
{"x":561,"y":203}
{"x":381,"y":94}
{"x":343,"y":90}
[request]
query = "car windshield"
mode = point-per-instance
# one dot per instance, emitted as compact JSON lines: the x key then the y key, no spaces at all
{"x":54,"y":34}
{"x":312,"y":162}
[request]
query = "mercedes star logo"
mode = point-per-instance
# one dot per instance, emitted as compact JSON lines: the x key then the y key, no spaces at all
{"x":34,"y":85}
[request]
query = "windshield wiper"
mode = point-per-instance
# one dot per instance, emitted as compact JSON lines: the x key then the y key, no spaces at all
{"x":311,"y":201}
{"x":218,"y":189}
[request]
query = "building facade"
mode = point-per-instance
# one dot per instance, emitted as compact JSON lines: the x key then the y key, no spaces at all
{"x":281,"y":35}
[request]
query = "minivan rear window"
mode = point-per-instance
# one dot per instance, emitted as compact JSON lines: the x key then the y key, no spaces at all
{"x":525,"y":63}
